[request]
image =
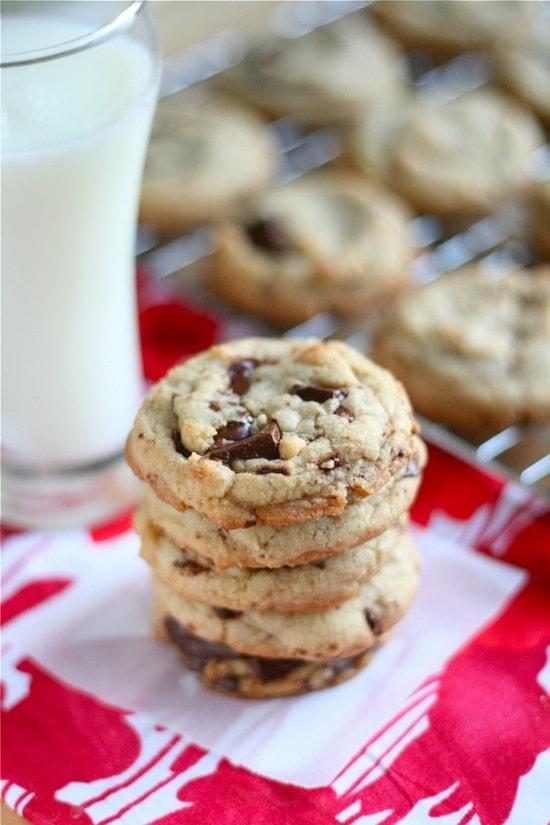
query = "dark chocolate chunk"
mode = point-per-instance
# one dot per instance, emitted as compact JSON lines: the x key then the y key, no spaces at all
{"x":269,"y":234}
{"x":226,"y":613}
{"x":344,"y":412}
{"x":264,"y":471}
{"x":179,"y":445}
{"x":308,"y":392}
{"x":234,"y":431}
{"x":197,"y":651}
{"x":373,"y":622}
{"x":239,"y":374}
{"x":263,"y":444}
{"x":412,"y":469}
{"x":271,"y":669}
{"x":192,"y":567}
{"x":320,"y":563}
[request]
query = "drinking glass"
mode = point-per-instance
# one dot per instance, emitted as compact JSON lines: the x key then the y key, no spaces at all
{"x":79,"y":85}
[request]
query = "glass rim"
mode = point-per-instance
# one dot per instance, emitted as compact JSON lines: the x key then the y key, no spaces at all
{"x":122,"y":21}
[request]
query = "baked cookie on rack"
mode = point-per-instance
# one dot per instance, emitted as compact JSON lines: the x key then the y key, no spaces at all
{"x":524,"y":68}
{"x":540,"y":218}
{"x":473,"y":350}
{"x":328,"y":241}
{"x":351,"y":629}
{"x":203,"y":162}
{"x":272,"y":431}
{"x":447,"y":27}
{"x":463,"y":158}
{"x":324,"y":76}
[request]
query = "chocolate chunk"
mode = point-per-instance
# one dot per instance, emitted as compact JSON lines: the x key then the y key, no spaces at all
{"x":412,"y":469}
{"x":226,"y":613}
{"x":234,"y":431}
{"x":269,"y":234}
{"x":239,"y":374}
{"x":264,"y":471}
{"x":263,"y":444}
{"x":192,"y":567}
{"x":179,"y":445}
{"x":321,"y":564}
{"x":344,"y":412}
{"x":197,"y":652}
{"x":269,"y":670}
{"x":308,"y":392}
{"x":373,"y":622}
{"x":229,"y":683}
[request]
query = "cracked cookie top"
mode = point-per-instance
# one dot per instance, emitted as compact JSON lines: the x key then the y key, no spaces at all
{"x":272,"y":431}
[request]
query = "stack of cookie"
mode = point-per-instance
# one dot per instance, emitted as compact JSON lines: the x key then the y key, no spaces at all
{"x":279,"y":474}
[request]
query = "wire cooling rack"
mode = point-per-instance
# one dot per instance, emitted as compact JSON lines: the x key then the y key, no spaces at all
{"x":519,"y":452}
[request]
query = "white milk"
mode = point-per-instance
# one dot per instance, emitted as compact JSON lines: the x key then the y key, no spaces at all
{"x":74,"y":134}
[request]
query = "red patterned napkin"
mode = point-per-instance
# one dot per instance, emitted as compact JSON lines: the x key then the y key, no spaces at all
{"x":450,"y":723}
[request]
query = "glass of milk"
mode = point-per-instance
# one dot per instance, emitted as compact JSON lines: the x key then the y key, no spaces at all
{"x":79,"y":84}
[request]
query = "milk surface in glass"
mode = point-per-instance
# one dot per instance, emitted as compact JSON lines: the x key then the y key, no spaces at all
{"x":74,"y":134}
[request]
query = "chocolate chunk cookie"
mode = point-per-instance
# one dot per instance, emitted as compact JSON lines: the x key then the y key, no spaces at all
{"x":261,"y":545}
{"x":447,"y":27}
{"x":329,"y":241}
{"x":271,"y":431}
{"x":474,"y":351}
{"x":203,"y":162}
{"x":339,"y":632}
{"x":255,"y":677}
{"x":305,"y":588}
{"x":323,"y":77}
{"x":462,"y":158}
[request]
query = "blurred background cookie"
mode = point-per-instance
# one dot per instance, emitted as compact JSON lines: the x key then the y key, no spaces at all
{"x":329,"y":241}
{"x":473,"y":351}
{"x":465,"y":157}
{"x":322,"y":77}
{"x":540,"y":218}
{"x":524,"y":67}
{"x":203,"y":161}
{"x":446,"y":27}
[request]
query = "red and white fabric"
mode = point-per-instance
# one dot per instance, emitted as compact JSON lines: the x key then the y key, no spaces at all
{"x":449,"y":725}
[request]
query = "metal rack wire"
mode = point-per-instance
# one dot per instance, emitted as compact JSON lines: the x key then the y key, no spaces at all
{"x":519,"y":452}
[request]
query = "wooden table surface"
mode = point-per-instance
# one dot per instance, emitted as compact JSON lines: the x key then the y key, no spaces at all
{"x":182,"y":23}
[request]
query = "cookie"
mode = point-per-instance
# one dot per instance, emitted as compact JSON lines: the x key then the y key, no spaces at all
{"x":304,"y":588}
{"x":260,"y":546}
{"x":328,"y":241}
{"x":540,"y":218}
{"x":474,"y":351}
{"x":322,"y":77}
{"x":272,"y":431}
{"x":254,"y":677}
{"x":524,"y":68}
{"x":447,"y":27}
{"x":203,"y":162}
{"x":339,"y":632}
{"x":461,"y":158}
